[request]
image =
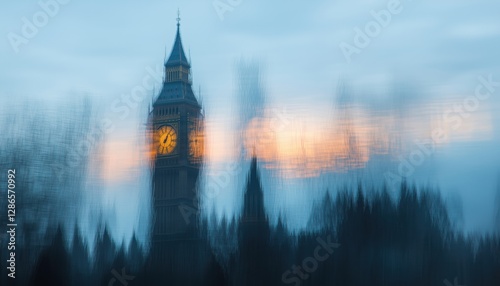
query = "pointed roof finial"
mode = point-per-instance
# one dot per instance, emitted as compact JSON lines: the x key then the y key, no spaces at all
{"x":178,"y":17}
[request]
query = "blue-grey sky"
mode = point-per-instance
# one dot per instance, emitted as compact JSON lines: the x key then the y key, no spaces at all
{"x":105,"y":49}
{"x":100,"y":47}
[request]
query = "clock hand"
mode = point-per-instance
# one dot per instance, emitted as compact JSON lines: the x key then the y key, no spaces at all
{"x":165,"y":141}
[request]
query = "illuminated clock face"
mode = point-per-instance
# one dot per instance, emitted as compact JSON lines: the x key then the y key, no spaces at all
{"x":167,"y":140}
{"x":196,"y":142}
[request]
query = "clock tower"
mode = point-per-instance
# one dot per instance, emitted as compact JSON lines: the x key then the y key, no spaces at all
{"x":176,"y":123}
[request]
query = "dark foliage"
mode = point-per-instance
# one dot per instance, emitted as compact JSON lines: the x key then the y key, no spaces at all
{"x":381,"y":241}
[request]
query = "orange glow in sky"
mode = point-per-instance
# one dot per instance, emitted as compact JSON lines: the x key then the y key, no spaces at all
{"x":299,"y":146}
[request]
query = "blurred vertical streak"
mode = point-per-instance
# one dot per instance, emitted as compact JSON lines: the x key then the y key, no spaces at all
{"x":49,"y":146}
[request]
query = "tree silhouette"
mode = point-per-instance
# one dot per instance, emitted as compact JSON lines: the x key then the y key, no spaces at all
{"x":52,"y":267}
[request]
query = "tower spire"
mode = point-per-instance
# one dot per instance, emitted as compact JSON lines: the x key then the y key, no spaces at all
{"x":177,"y":73}
{"x":177,"y":56}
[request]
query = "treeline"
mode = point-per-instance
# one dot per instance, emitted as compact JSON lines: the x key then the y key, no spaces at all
{"x":60,"y":264}
{"x":352,"y":239}
{"x":355,"y":239}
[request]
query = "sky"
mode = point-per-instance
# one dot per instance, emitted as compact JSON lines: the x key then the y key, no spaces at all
{"x":433,"y":52}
